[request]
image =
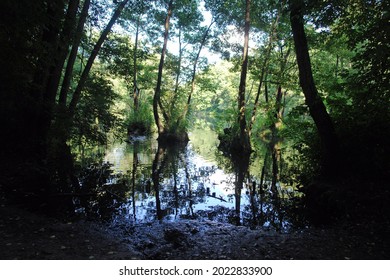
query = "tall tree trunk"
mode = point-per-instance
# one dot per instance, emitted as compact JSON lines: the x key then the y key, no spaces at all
{"x":274,"y":143}
{"x":136,"y":90}
{"x":77,"y":93}
{"x":65,"y":41}
{"x":194,"y":68}
{"x":73,"y":54}
{"x":38,"y":115}
{"x":322,"y":120}
{"x":157,"y":92}
{"x":264,"y":70}
{"x":178,"y":73}
{"x":244,"y":137}
{"x":202,"y":43}
{"x":62,"y":157}
{"x":64,"y":121}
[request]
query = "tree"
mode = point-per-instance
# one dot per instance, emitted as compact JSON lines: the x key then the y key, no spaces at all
{"x":55,"y":28}
{"x":77,"y":92}
{"x":244,"y":134}
{"x":136,"y":17}
{"x":184,"y":25}
{"x":195,"y":65}
{"x":73,"y":54}
{"x":324,"y":124}
{"x":157,"y":93}
{"x":264,"y":68}
{"x":119,"y":58}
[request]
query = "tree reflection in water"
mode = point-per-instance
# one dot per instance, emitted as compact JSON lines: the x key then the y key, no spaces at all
{"x":170,"y":183}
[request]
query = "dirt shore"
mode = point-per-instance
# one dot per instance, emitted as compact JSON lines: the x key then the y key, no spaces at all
{"x":26,"y":235}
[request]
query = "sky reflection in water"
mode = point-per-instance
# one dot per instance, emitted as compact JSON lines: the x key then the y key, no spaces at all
{"x":195,"y":182}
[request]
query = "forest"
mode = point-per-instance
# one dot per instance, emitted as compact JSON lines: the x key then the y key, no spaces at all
{"x":287,"y":101}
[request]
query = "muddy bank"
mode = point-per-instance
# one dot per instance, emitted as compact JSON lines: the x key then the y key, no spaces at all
{"x":25,"y":235}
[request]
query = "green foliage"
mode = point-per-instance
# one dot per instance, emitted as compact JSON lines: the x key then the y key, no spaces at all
{"x":118,"y":57}
{"x":302,"y":145}
{"x":215,"y":98}
{"x":365,"y":118}
{"x":118,"y":54}
{"x":94,"y":117}
{"x":140,"y":121}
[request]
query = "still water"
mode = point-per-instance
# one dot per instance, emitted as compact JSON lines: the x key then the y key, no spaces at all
{"x":193,"y":181}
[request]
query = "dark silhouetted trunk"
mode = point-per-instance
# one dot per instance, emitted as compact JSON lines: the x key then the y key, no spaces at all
{"x":244,"y":137}
{"x":73,"y":54}
{"x":91,"y":59}
{"x":134,"y":175}
{"x":64,"y":119}
{"x":38,"y":114}
{"x":59,"y":59}
{"x":241,"y":165}
{"x":157,"y":166}
{"x":322,"y":120}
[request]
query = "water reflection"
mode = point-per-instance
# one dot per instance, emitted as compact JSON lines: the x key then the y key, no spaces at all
{"x":193,"y":182}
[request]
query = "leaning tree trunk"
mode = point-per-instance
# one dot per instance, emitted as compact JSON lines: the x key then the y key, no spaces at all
{"x":194,"y":67}
{"x":322,"y":120}
{"x":157,"y":93}
{"x":73,"y":54}
{"x":64,"y":121}
{"x":264,"y":70}
{"x":65,"y":40}
{"x":77,"y":93}
{"x":202,"y":43}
